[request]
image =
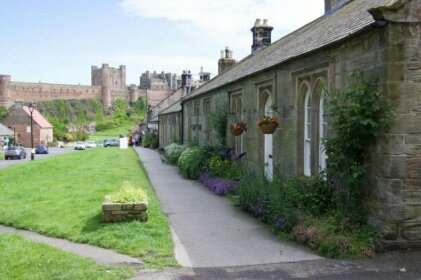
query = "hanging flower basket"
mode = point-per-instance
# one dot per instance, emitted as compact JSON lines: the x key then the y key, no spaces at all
{"x":268,"y":128}
{"x":238,"y":128}
{"x":268,"y":124}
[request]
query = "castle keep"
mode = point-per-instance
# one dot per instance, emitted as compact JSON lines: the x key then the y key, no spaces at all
{"x":107,"y":84}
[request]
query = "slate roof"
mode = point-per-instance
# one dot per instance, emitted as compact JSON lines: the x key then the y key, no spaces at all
{"x":38,"y":118}
{"x":176,"y":107}
{"x":326,"y":30}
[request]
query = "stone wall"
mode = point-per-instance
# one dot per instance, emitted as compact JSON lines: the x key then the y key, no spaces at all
{"x":117,"y":212}
{"x":169,"y":128}
{"x":44,"y":92}
{"x":394,"y":199}
{"x":108,"y":84}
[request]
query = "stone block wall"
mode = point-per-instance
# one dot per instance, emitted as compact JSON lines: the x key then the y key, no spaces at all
{"x":117,"y":212}
{"x":27,"y":92}
{"x":108,"y":84}
{"x":169,"y":129}
{"x":395,"y":197}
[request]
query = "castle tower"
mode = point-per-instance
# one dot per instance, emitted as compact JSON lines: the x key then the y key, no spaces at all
{"x":105,"y":86}
{"x":132,"y":92}
{"x":4,"y":90}
{"x":262,"y":35}
{"x":123,"y":76}
{"x":226,"y":61}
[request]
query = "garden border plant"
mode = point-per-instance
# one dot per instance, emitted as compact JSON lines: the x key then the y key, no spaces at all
{"x":357,"y":115}
{"x":325,"y":212}
{"x":219,"y":123}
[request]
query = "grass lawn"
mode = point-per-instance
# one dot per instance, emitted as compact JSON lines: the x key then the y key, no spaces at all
{"x":62,"y":197}
{"x":24,"y":259}
{"x":124,"y":128}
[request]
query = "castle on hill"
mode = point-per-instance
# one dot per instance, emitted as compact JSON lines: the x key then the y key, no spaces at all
{"x":107,"y":84}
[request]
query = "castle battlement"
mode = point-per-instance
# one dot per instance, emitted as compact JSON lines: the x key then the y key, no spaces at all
{"x":107,"y":84}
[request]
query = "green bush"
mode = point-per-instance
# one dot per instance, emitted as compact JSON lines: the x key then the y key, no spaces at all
{"x":218,"y":121}
{"x":3,"y":112}
{"x":222,"y":164}
{"x":81,"y":135}
{"x":219,"y":167}
{"x":104,"y":125}
{"x":139,"y":106}
{"x":335,"y":236}
{"x":357,"y":114}
{"x":127,"y":193}
{"x":190,"y":163}
{"x":150,"y":140}
{"x":304,"y":208}
{"x":173,"y":152}
{"x":280,"y":202}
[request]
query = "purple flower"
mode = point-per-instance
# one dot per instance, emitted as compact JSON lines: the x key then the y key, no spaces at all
{"x":280,"y":223}
{"x":217,"y":185}
{"x":227,"y":154}
{"x":240,"y":156}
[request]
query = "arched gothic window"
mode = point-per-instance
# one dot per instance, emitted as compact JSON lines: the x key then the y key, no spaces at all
{"x":307,"y":134}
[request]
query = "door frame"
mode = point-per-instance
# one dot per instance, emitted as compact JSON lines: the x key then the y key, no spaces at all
{"x":264,"y":91}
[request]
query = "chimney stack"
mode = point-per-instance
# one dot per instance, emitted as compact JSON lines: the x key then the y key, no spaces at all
{"x":204,"y":76}
{"x":262,"y":35}
{"x":226,"y":61}
{"x":185,"y":78}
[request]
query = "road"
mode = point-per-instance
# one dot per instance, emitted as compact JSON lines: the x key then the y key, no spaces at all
{"x":404,"y":265}
{"x":53,"y":152}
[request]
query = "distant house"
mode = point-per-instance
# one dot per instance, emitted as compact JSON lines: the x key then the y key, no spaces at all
{"x":5,"y":135}
{"x":187,"y":86}
{"x":20,"y":117}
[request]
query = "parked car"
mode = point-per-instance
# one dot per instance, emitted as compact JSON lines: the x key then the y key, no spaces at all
{"x":80,"y":145}
{"x":111,"y":142}
{"x":41,"y":149}
{"x":90,"y":144}
{"x":15,"y":152}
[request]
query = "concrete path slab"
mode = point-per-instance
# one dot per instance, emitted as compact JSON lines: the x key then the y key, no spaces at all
{"x":100,"y":255}
{"x":208,"y":230}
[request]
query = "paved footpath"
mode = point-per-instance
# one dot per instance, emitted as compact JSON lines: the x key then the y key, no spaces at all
{"x":208,"y":230}
{"x":100,"y":255}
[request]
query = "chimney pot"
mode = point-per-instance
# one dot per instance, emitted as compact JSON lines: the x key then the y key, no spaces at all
{"x":226,"y":61}
{"x":261,"y":35}
{"x":257,"y":22}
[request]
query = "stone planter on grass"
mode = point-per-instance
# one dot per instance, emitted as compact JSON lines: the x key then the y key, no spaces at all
{"x":130,"y":211}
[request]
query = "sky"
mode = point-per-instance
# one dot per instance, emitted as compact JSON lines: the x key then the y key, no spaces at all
{"x":52,"y":41}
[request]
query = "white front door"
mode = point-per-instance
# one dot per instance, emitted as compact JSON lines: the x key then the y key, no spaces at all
{"x":268,"y":153}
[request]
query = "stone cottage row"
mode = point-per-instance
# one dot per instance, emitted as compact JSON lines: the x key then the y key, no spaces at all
{"x":286,"y":80}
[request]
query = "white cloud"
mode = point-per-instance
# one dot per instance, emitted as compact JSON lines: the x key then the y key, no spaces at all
{"x":228,"y":22}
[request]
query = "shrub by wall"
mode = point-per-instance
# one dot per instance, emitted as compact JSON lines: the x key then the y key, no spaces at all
{"x":173,"y":152}
{"x":150,"y":140}
{"x":190,"y":163}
